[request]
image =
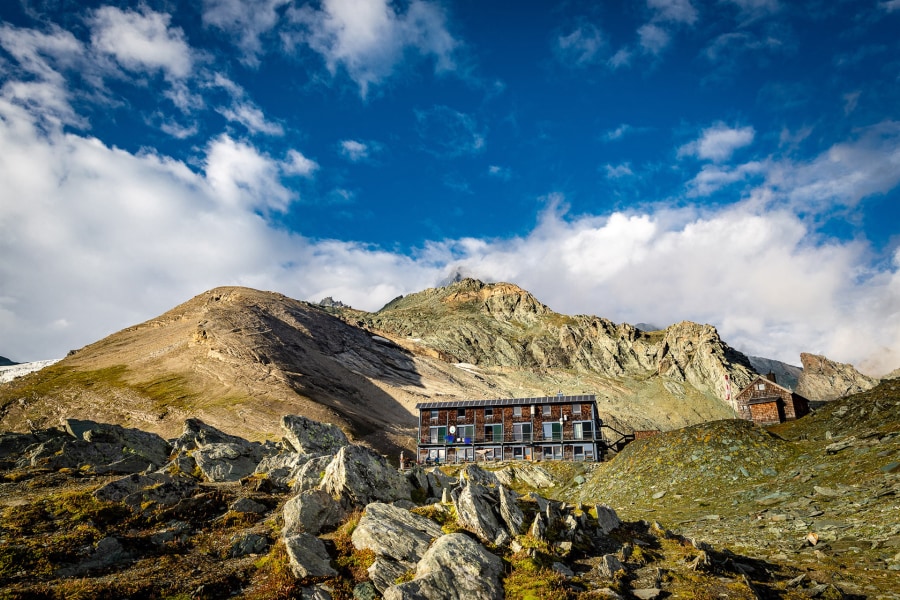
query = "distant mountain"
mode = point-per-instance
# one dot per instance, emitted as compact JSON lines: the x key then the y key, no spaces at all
{"x":786,"y":375}
{"x":647,"y":327}
{"x":5,"y":362}
{"x":239,"y":359}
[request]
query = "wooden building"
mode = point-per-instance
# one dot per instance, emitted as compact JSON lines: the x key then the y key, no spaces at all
{"x":767,"y":403}
{"x":548,"y":428}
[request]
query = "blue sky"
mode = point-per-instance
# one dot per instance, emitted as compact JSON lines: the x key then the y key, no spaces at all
{"x":735,"y":162}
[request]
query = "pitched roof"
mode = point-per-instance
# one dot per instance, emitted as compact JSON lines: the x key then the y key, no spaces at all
{"x":766,"y":380}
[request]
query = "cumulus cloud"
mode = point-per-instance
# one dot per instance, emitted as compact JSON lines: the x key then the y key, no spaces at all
{"x":718,"y":142}
{"x":246,"y":20}
{"x":95,"y":238}
{"x":583,"y":46}
{"x":354,"y":151}
{"x":141,"y":41}
{"x":368,"y":39}
{"x":713,"y":177}
{"x":250,"y":116}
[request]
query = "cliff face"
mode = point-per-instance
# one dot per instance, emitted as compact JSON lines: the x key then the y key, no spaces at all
{"x":502,"y":325}
{"x":824,"y":379}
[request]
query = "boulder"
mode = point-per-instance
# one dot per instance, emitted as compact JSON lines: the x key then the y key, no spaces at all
{"x":359,"y":476}
{"x":530,"y":475}
{"x":510,"y":512}
{"x":136,"y":490}
{"x":475,"y":509}
{"x":307,"y":556}
{"x":243,"y":544}
{"x":312,"y":511}
{"x":225,"y":462}
{"x":309,"y":475}
{"x":607,"y":519}
{"x":475,"y":474}
{"x":279,"y":467}
{"x":130,"y":441}
{"x":396,"y":533}
{"x":385,"y":572}
{"x":248,"y":506}
{"x":456,"y":567}
{"x":312,"y":437}
{"x":609,"y":565}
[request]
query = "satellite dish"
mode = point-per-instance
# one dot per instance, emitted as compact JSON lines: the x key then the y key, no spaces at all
{"x":453,"y":429}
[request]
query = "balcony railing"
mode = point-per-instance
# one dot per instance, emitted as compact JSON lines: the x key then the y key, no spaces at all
{"x":510,"y":438}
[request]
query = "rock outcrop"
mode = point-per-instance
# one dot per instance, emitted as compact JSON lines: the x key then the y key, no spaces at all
{"x":359,"y":476}
{"x":824,"y":379}
{"x":456,"y":567}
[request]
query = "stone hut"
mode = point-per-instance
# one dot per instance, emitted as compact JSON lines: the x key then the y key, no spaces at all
{"x":766,"y":403}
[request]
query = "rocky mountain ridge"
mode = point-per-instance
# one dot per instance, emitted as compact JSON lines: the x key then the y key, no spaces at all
{"x":824,"y":379}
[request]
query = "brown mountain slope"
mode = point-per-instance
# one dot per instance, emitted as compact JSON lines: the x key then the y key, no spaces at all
{"x":239,"y":359}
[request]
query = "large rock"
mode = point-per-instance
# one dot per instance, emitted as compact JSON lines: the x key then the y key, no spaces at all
{"x":475,"y":474}
{"x":359,"y":477}
{"x":824,"y":379}
{"x":476,"y":511}
{"x":225,"y":462}
{"x":137,"y":490}
{"x":309,"y":475}
{"x":510,"y":512}
{"x":312,"y":511}
{"x":395,"y":532}
{"x":312,"y":437}
{"x":607,"y":519}
{"x":456,"y":567}
{"x":531,"y":475}
{"x":307,"y":556}
{"x":132,"y":441}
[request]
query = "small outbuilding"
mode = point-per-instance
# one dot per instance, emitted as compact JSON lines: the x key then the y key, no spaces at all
{"x":766,"y":403}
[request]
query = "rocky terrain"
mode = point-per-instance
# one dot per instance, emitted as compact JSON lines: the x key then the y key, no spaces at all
{"x":824,"y":379}
{"x":101,"y":511}
{"x":238,"y":359}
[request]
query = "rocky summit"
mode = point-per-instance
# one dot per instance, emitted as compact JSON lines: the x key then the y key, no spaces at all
{"x":239,"y":359}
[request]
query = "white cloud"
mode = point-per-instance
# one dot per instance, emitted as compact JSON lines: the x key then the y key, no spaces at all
{"x":99,"y":239}
{"x":673,"y":11}
{"x":719,"y":142}
{"x":851,"y":100}
{"x":250,"y":116}
{"x":618,"y":133}
{"x":618,"y":171}
{"x":141,"y":41}
{"x":622,"y":58}
{"x":368,"y":38}
{"x":890,"y":5}
{"x":297,"y":164}
{"x":354,"y":151}
{"x":499,"y":172}
{"x":583,"y":46}
{"x":246,"y":20}
{"x":449,"y":133}
{"x":42,"y":56}
{"x":653,"y":39}
{"x":713,"y":177}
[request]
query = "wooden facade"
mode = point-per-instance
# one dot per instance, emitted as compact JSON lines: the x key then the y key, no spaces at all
{"x":547,"y":428}
{"x":767,"y":403}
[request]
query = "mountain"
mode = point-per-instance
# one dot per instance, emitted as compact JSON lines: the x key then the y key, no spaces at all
{"x":824,"y":379}
{"x":5,"y":362}
{"x":785,"y":374}
{"x":240,"y":359}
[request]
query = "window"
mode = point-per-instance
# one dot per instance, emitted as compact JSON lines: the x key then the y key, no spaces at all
{"x":465,"y":433}
{"x":576,"y":409}
{"x":760,"y":386}
{"x":547,"y":409}
{"x":488,"y":414}
{"x":583,"y":430}
{"x":522,"y":432}
{"x":493,"y":433}
{"x":460,"y":414}
{"x":517,"y":411}
{"x":553,"y":431}
{"x":438,"y":435}
{"x":434,"y":416}
{"x":518,"y":452}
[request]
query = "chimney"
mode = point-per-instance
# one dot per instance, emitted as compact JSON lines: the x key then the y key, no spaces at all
{"x":771,"y":377}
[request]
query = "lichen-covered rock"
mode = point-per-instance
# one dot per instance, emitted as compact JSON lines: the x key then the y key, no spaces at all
{"x":456,"y":567}
{"x":280,"y":467}
{"x":136,"y":490}
{"x":359,"y":477}
{"x":476,"y":508}
{"x":531,"y":475}
{"x":394,"y":532}
{"x":312,"y":511}
{"x":247,"y":543}
{"x":307,"y":556}
{"x":475,"y":474}
{"x":385,"y":572}
{"x":225,"y":462}
{"x":510,"y":512}
{"x":607,"y":519}
{"x":309,"y":475}
{"x":130,"y":441}
{"x":312,"y":437}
